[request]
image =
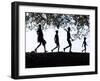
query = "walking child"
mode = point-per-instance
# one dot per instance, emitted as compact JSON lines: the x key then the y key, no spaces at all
{"x":84,"y":43}
{"x":56,"y":39}
{"x":68,"y":40}
{"x":40,"y":39}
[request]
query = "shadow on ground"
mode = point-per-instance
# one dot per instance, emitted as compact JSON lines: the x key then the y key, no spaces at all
{"x":34,"y":60}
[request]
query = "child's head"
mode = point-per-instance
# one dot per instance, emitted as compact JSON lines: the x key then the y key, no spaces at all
{"x":68,"y":28}
{"x":39,"y":26}
{"x":57,"y":31}
{"x":84,"y":38}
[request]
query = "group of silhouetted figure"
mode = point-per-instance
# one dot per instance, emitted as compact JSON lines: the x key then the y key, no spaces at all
{"x":42,"y":41}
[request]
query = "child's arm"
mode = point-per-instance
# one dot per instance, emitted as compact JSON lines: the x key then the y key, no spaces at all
{"x":71,"y":39}
{"x":65,"y":30}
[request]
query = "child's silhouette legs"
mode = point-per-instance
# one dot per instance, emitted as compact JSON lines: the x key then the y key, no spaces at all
{"x":84,"y":49}
{"x":37,"y":47}
{"x":57,"y":46}
{"x":54,"y":48}
{"x":44,"y":47}
{"x":70,"y":45}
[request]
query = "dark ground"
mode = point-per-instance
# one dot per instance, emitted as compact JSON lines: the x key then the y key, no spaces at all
{"x":34,"y":60}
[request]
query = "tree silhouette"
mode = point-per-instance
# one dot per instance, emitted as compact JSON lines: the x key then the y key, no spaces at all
{"x":78,"y":23}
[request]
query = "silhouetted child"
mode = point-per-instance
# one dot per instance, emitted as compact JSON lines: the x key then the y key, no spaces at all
{"x":68,"y":39}
{"x":56,"y":39}
{"x":40,"y":39}
{"x":84,"y":43}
